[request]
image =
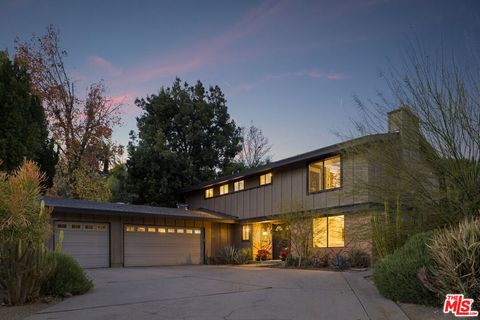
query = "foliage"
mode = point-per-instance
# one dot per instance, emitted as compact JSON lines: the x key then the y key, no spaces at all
{"x":24,"y":266}
{"x":318,"y":260}
{"x":455,"y":253}
{"x":117,"y":183}
{"x":433,"y":161}
{"x":23,"y":133}
{"x":390,"y":229}
{"x":232,"y":255}
{"x":81,"y":183}
{"x":185,"y":136}
{"x":396,"y":275}
{"x":255,"y":148}
{"x":68,"y":277}
{"x":291,"y":260}
{"x":358,"y":259}
{"x":81,"y":128}
{"x":262,"y":254}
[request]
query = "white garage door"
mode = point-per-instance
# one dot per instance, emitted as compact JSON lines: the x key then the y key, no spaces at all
{"x":158,"y":246}
{"x":88,"y":243}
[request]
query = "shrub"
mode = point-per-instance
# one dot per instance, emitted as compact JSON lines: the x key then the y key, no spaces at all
{"x":396,"y":275}
{"x":262,"y":255}
{"x":245,"y":255}
{"x":358,"y":259}
{"x":67,"y":277}
{"x":318,"y":260}
{"x":291,"y":260}
{"x":23,"y":268}
{"x":456,"y":259}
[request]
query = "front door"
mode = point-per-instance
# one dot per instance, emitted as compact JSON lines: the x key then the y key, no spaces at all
{"x":279,"y":240}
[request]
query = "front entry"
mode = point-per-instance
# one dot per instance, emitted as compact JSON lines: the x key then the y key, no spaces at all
{"x":159,"y":246}
{"x":279,"y":240}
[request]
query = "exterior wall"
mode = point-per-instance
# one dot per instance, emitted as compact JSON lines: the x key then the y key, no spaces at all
{"x":287,"y":192}
{"x":216,"y":235}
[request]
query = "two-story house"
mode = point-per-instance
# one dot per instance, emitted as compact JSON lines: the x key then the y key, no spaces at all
{"x":245,"y":209}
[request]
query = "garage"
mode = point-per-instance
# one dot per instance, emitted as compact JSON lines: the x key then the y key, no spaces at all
{"x":88,"y":243}
{"x":147,"y":245}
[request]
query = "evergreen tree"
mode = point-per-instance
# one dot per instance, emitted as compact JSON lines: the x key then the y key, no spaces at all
{"x":185,"y":136}
{"x":23,"y":129}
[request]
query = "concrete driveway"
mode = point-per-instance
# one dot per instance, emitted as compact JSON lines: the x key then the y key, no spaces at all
{"x":224,"y":292}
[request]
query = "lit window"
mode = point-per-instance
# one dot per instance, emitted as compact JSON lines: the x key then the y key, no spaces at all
{"x":152,"y":229}
{"x":130,"y":229}
{"x":197,"y":231}
{"x":238,"y":185}
{"x":246,"y":233}
{"x":180,"y":231}
{"x":329,"y":232}
{"x":76,"y":226}
{"x":62,"y":226}
{"x":190,"y":231}
{"x":162,"y":230}
{"x":209,"y":193}
{"x":171,"y":230}
{"x":324,"y":174}
{"x":88,"y":227}
{"x":223,"y":189}
{"x":141,"y":229}
{"x":101,"y":227}
{"x":266,"y":179}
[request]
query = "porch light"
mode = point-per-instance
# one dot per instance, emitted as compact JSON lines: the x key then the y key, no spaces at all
{"x":265,"y":233}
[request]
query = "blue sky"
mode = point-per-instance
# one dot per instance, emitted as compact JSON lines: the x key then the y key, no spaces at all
{"x":291,"y":67}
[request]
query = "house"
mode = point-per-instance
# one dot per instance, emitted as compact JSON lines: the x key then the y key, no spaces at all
{"x":244,"y":209}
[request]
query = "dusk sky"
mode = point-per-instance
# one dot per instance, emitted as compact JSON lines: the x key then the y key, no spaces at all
{"x":291,"y":67}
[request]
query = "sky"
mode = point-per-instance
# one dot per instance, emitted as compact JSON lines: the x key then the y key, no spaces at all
{"x":291,"y":68}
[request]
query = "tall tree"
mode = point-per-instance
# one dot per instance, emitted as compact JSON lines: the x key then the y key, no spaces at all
{"x":255,"y":148}
{"x":81,"y":128}
{"x":185,"y":136}
{"x":23,"y":129}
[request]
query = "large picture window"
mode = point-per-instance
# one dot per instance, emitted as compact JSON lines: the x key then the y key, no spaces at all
{"x":329,"y":232}
{"x":324,"y":174}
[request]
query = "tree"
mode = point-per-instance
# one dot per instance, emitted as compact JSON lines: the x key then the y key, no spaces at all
{"x":255,"y":148}
{"x":117,"y":183}
{"x":434,"y":165}
{"x":81,"y":128}
{"x":23,"y":133}
{"x":185,"y":136}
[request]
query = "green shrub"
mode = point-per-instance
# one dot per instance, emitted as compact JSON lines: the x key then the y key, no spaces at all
{"x":396,"y":276}
{"x":245,"y":255}
{"x":291,"y":261}
{"x":232,"y":255}
{"x":24,"y":266}
{"x":358,"y":259}
{"x":456,"y":260}
{"x":67,"y":277}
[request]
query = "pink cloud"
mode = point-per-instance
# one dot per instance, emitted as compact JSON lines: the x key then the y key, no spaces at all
{"x":103,"y":63}
{"x":207,"y":51}
{"x":126,"y":102}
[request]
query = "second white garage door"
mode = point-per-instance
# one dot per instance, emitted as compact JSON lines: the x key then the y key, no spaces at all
{"x":159,"y":246}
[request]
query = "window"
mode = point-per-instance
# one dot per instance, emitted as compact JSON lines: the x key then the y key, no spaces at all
{"x":223,"y":189}
{"x":197,"y":231}
{"x":180,"y":231}
{"x":190,"y":231}
{"x":76,"y":226}
{"x":162,"y":230}
{"x":238,"y":185}
{"x":141,"y":229}
{"x":171,"y":230}
{"x":266,"y":179}
{"x":151,"y":229}
{"x":329,"y":232}
{"x":324,"y":174}
{"x":62,"y":226}
{"x":130,"y":229}
{"x":101,"y":227}
{"x":245,"y":233}
{"x":209,"y":193}
{"x":89,"y":227}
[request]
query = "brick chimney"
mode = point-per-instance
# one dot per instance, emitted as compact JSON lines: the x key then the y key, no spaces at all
{"x":403,"y":120}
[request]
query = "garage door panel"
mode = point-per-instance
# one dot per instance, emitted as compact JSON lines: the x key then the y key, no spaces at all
{"x":162,"y":248}
{"x":88,"y":243}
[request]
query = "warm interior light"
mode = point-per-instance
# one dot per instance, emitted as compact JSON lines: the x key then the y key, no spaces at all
{"x":265,"y":233}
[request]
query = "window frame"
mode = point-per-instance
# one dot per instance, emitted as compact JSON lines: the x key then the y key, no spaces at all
{"x":323,"y":174}
{"x":236,"y":183}
{"x":224,"y":192}
{"x":265,"y":174}
{"x":249,"y":232}
{"x":205,"y":193}
{"x":328,"y":231}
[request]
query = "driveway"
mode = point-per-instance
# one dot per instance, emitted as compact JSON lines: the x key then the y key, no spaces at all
{"x":224,"y":292}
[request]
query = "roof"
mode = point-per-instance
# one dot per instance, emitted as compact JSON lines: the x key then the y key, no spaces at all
{"x":85,"y":206}
{"x":325,"y":151}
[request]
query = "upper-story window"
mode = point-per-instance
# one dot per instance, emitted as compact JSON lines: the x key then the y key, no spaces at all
{"x":209,"y":193}
{"x":238,"y":185}
{"x":224,"y":189}
{"x":266,"y":179}
{"x":324,"y":174}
